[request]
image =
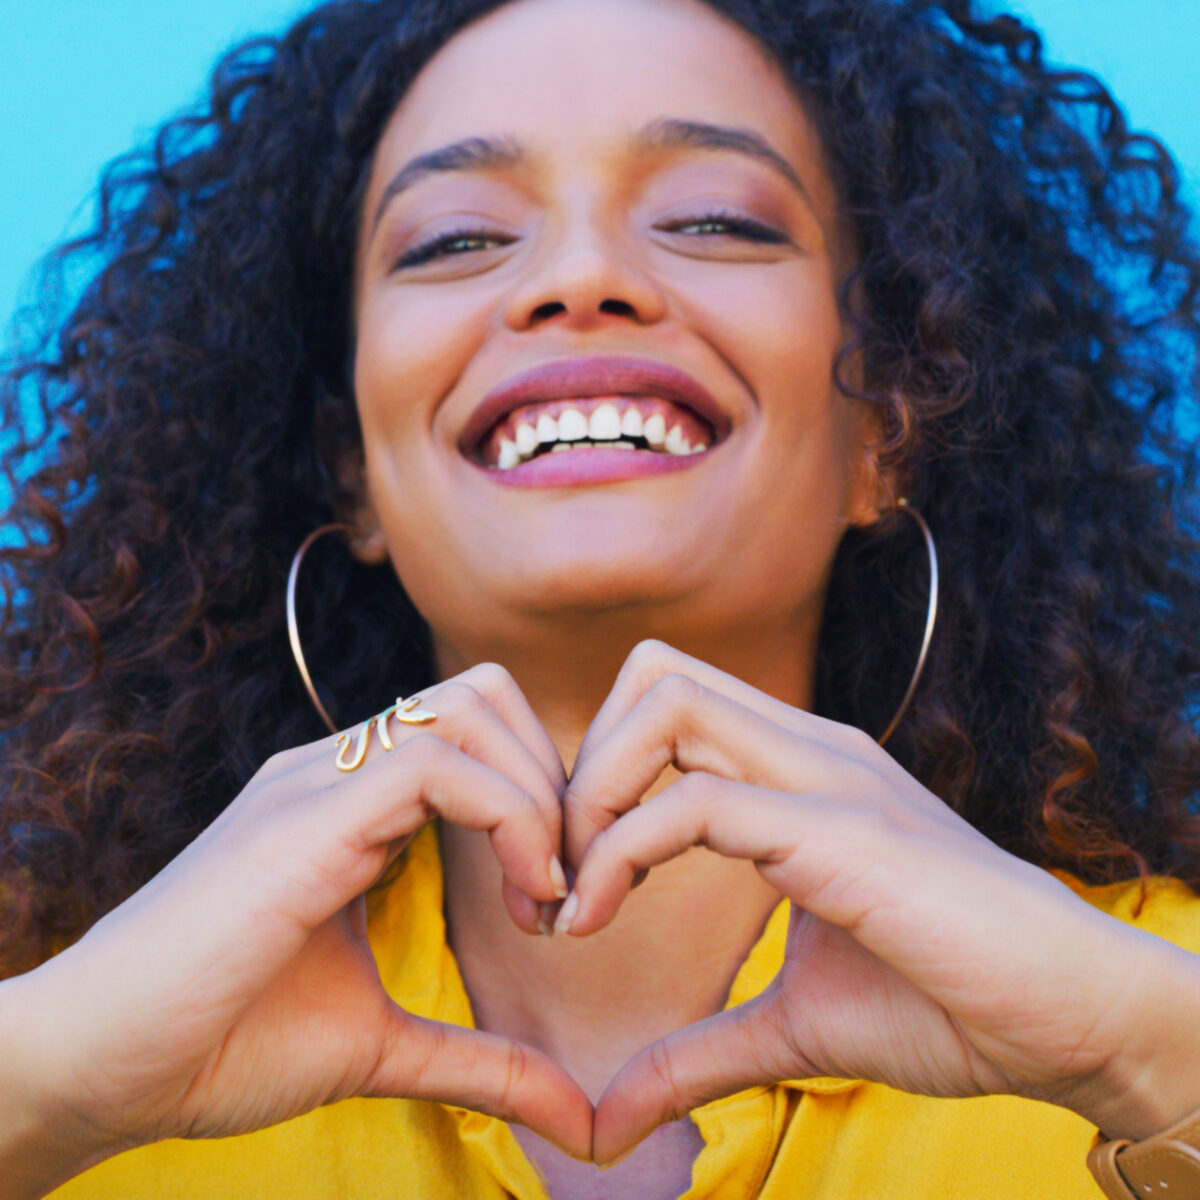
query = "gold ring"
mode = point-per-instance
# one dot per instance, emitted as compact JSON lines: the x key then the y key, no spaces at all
{"x":407,"y":712}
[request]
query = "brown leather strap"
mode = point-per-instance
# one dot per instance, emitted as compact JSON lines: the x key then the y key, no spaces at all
{"x":1164,"y":1167}
{"x":1102,"y":1162}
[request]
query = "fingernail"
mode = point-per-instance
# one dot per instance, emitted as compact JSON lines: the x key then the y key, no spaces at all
{"x":545,"y":920}
{"x":558,"y":878}
{"x":612,"y":1162}
{"x":567,"y":914}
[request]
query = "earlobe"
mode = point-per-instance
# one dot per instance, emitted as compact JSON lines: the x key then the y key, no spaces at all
{"x":879,"y":481}
{"x":368,"y":544}
{"x":874,"y":492}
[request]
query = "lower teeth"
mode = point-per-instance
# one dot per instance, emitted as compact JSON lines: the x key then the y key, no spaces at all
{"x":586,"y":445}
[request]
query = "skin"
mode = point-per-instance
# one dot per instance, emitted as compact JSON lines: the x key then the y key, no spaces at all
{"x":695,"y":761}
{"x":740,"y":545}
{"x":559,"y":587}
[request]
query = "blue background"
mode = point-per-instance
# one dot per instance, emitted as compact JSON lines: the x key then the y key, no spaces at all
{"x":83,"y":80}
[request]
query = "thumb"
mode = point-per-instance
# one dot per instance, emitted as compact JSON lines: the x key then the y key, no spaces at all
{"x":747,"y":1046}
{"x":428,"y":1060}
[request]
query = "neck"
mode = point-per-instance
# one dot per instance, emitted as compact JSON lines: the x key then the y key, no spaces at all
{"x":667,"y":959}
{"x":566,"y":668}
{"x":672,"y":952}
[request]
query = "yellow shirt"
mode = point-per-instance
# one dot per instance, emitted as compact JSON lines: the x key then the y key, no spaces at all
{"x":817,"y":1139}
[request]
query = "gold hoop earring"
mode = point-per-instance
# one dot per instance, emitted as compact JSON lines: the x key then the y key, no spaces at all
{"x":407,"y":712}
{"x":903,"y":505}
{"x":293,"y":626}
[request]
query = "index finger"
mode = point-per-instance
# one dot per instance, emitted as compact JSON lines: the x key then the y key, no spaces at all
{"x":679,"y":722}
{"x":651,"y":660}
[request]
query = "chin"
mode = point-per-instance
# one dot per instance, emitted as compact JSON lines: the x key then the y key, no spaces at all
{"x":586,"y":581}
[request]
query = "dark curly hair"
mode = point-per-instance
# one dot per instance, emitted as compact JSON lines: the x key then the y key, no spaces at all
{"x":1024,"y":312}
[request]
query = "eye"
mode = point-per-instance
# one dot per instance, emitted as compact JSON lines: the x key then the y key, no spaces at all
{"x":724,"y":224}
{"x":452,"y":244}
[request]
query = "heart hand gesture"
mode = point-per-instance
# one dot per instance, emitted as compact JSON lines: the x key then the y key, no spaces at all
{"x":919,"y":954}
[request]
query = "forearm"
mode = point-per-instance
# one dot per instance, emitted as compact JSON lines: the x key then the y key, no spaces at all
{"x":38,"y":1151}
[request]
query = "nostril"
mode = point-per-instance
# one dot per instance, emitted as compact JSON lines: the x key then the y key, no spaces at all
{"x":621,"y":307}
{"x":544,"y":312}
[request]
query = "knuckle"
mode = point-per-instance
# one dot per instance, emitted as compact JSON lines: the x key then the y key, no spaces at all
{"x":425,"y":751}
{"x":650,"y":658}
{"x":864,"y":751}
{"x":775,"y":1041}
{"x":509,"y":809}
{"x":423,"y":1065}
{"x":521,"y":804}
{"x":489,"y":679}
{"x":515,"y":1072}
{"x":674,"y":692}
{"x":869,"y":829}
{"x":860,"y":743}
{"x":674,"y":1105}
{"x":596,"y":817}
{"x":696,"y":788}
{"x":457,"y":697}
{"x":283,"y":762}
{"x":863,"y":778}
{"x":276,"y":763}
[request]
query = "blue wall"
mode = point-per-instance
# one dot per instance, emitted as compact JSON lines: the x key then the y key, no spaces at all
{"x":83,"y":80}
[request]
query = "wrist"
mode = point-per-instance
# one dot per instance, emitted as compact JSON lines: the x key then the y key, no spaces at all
{"x":41,"y":1147}
{"x":1152,"y":1082}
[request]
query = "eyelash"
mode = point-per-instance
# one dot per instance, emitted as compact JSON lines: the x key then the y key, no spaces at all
{"x":743,"y":227}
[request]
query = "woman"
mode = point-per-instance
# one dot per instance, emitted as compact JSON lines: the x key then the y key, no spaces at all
{"x":813,"y":259}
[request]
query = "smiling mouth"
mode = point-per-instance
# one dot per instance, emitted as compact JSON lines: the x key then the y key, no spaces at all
{"x":634,"y":424}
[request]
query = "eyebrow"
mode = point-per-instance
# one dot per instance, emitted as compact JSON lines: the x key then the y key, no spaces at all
{"x":503,"y":153}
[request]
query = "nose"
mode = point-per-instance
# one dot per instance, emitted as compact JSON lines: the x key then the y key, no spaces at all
{"x":583,"y":279}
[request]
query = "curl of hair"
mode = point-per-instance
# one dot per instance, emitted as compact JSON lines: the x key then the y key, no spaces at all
{"x":1024,"y":315}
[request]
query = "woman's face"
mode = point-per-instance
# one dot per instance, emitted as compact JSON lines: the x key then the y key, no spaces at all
{"x":567,"y":184}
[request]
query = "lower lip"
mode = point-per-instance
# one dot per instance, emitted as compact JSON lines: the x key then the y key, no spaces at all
{"x":572,"y":468}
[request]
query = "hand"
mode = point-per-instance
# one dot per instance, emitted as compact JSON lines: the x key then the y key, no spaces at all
{"x":237,"y":988}
{"x":919,"y":954}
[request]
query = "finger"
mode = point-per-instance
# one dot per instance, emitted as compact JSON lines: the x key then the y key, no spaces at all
{"x":498,"y":687}
{"x":735,"y":819}
{"x":468,"y":720}
{"x":744,"y":1047}
{"x":427,"y":776}
{"x":431,"y":1061}
{"x":482,"y":712}
{"x":682,"y":723}
{"x":297,"y":859}
{"x":485,"y":714}
{"x":652,"y":660}
{"x":847,"y":863}
{"x":527,"y":914}
{"x":490,"y":726}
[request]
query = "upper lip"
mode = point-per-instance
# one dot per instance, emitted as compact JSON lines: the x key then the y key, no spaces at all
{"x":581,"y":378}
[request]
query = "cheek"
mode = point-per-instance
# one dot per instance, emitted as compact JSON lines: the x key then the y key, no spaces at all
{"x":411,"y":349}
{"x":780,"y":329}
{"x":777,"y":325}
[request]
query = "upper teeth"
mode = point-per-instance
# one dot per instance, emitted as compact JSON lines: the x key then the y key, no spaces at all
{"x":606,"y":424}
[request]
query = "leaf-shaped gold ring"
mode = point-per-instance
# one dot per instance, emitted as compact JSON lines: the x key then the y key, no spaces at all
{"x":407,"y":712}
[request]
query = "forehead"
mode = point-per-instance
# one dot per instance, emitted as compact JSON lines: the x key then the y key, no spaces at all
{"x":574,"y":80}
